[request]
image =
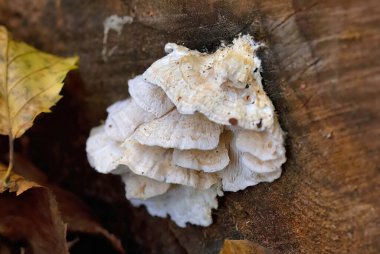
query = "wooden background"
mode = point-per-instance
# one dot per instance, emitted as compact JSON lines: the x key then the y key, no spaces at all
{"x":321,"y":69}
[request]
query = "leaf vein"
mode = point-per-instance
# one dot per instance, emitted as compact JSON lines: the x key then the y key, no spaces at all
{"x":29,"y":101}
{"x":20,"y":55}
{"x":33,"y":73}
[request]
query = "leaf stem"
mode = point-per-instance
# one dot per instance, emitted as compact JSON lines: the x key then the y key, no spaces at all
{"x":11,"y":158}
{"x":10,"y":132}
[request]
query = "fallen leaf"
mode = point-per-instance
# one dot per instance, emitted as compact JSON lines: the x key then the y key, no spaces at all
{"x":243,"y":247}
{"x":16,"y":182}
{"x":30,"y":82}
{"x":29,"y":217}
{"x":74,"y":212}
{"x":31,"y":220}
{"x":79,"y":218}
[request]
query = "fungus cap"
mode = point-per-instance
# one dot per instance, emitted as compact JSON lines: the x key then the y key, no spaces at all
{"x":222,"y":86}
{"x":141,"y":187}
{"x":207,"y":161}
{"x":123,"y":119}
{"x":103,"y":153}
{"x":184,"y":205}
{"x":156,"y":163}
{"x":175,"y":130}
{"x":149,"y":97}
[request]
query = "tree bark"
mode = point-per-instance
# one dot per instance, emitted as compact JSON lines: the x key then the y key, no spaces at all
{"x":321,"y":70}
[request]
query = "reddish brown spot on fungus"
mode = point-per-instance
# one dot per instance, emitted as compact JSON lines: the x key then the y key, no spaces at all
{"x":233,"y":121}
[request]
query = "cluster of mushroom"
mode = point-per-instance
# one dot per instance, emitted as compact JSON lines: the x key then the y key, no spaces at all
{"x":196,"y":125}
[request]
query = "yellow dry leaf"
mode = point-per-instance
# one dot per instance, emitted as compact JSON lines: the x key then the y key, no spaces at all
{"x":30,"y":82}
{"x":242,"y":247}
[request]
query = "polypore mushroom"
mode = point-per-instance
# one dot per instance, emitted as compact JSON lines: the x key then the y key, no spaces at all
{"x":149,"y":97}
{"x":103,"y":153}
{"x":265,"y":145}
{"x":141,"y":187}
{"x":184,"y":204}
{"x":239,"y":174}
{"x":207,"y":161}
{"x":124,"y":117}
{"x":222,"y":85}
{"x":196,"y":124}
{"x":156,"y":163}
{"x":175,"y":130}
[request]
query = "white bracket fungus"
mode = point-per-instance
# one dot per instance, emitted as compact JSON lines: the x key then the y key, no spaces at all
{"x":196,"y":125}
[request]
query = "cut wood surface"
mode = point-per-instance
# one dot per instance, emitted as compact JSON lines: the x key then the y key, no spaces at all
{"x":321,"y":70}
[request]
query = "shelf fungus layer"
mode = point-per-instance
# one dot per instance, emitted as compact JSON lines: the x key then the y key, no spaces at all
{"x":196,"y":125}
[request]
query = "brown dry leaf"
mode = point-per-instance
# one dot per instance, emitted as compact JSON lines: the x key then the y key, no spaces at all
{"x":30,"y":82}
{"x":79,"y":218}
{"x":243,"y":247}
{"x":29,"y":217}
{"x":74,"y":212}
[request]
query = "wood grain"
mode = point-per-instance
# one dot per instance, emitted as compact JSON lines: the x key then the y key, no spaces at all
{"x":322,"y":71}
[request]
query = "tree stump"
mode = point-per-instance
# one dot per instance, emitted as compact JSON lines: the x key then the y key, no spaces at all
{"x":321,"y":70}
